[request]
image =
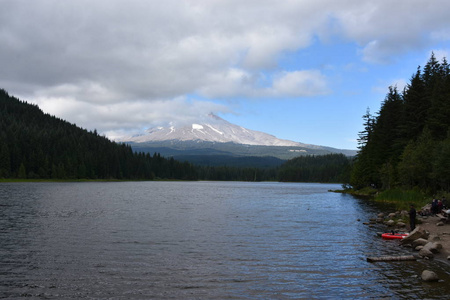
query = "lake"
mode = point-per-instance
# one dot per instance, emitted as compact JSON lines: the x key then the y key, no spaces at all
{"x":198,"y":240}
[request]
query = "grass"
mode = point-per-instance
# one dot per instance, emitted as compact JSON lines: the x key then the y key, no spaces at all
{"x":403,"y":198}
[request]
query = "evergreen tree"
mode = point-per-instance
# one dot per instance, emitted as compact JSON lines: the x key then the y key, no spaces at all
{"x":406,"y":144}
{"x":415,"y":108}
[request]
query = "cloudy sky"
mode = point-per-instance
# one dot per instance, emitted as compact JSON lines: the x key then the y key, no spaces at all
{"x":303,"y":70}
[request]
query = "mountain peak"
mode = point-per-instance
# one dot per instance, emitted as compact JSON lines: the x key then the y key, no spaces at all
{"x":211,"y":129}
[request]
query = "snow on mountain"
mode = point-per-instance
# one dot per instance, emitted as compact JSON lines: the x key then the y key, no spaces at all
{"x":212,"y":129}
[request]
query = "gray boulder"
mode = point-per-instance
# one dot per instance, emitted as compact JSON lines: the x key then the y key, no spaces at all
{"x":426,"y":253}
{"x":390,"y":223}
{"x":419,"y":242}
{"x":417,"y":233}
{"x":429,"y":276}
{"x":433,"y":247}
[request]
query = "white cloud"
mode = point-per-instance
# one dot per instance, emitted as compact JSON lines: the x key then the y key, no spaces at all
{"x":123,"y":63}
{"x":126,"y":117}
{"x":385,"y":28}
{"x":305,"y":83}
{"x":300,"y":84}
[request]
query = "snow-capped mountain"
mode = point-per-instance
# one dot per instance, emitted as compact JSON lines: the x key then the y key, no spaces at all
{"x":212,"y":129}
{"x":215,"y":136}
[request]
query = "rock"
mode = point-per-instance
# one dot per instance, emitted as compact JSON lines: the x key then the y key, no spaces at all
{"x":401,"y":224}
{"x":381,"y":215}
{"x":433,"y":247}
{"x":427,"y":207}
{"x":419,"y":242}
{"x":380,"y":220}
{"x":418,"y":248}
{"x":426,"y":253}
{"x":448,"y":257}
{"x":438,"y":246}
{"x":390,"y":223}
{"x":429,"y":276}
{"x":440,"y":224}
{"x":404,"y":213}
{"x":392,"y":215}
{"x":434,"y":238}
{"x":417,"y":233}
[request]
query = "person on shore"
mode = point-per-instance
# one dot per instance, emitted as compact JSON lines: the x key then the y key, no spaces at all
{"x":439,"y":206}
{"x":434,"y":207}
{"x":412,"y":218}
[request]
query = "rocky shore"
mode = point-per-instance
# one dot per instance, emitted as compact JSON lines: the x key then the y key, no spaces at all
{"x":439,"y":232}
{"x":430,"y":239}
{"x":429,"y":230}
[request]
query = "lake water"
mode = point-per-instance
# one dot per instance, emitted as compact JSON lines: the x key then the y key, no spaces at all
{"x":198,"y":240}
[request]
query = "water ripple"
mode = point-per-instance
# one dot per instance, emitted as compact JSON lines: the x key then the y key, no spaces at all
{"x":201,"y":240}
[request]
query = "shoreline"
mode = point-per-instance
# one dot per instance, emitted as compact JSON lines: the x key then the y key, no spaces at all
{"x":443,"y":232}
{"x":428,"y":224}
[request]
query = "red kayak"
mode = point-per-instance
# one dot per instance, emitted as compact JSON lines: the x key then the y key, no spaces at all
{"x":394,"y":236}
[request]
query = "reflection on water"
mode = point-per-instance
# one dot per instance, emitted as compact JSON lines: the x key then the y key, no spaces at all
{"x":137,"y":240}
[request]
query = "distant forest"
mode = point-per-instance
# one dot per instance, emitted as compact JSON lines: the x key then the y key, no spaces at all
{"x":407,"y":143}
{"x":34,"y":145}
{"x":323,"y":168}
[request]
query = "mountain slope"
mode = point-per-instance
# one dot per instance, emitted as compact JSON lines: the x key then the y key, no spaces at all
{"x":215,"y":136}
{"x":212,"y":129}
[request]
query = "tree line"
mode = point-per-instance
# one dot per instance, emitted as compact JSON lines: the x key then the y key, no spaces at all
{"x":323,"y":168}
{"x":407,"y":143}
{"x":35,"y":145}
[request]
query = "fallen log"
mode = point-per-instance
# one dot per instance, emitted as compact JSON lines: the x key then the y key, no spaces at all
{"x":391,"y":258}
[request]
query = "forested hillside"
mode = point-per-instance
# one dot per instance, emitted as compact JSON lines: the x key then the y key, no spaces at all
{"x":34,"y":145}
{"x":37,"y":145}
{"x":407,"y":143}
{"x":324,"y":168}
{"x":310,"y":168}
